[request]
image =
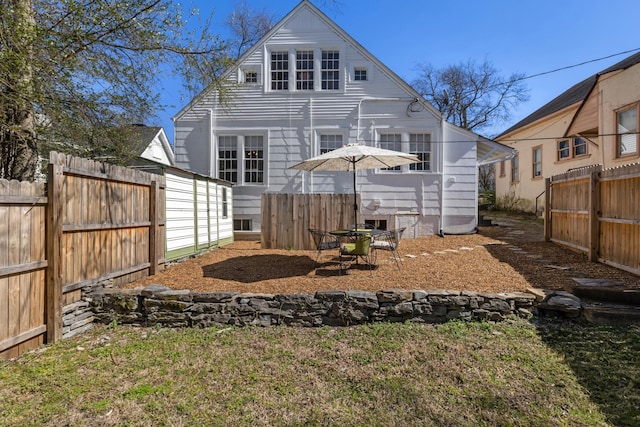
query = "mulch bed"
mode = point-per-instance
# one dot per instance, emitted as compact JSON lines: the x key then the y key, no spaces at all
{"x":496,"y":259}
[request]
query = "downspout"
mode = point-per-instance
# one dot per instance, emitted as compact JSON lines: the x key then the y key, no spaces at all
{"x":441,"y":196}
{"x":312,"y":145}
{"x":211,"y":151}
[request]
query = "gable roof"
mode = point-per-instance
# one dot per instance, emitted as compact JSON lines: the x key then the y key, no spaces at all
{"x":306,"y":4}
{"x":576,"y":93}
{"x":146,"y":136}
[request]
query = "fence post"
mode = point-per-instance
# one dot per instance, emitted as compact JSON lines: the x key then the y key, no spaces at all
{"x":154,"y":189}
{"x":54,"y":251}
{"x":547,"y":209}
{"x":594,"y":216}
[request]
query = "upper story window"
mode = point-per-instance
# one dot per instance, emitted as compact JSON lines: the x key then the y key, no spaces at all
{"x":627,"y":126}
{"x":360,"y":74}
{"x":420,"y":145}
{"x":572,"y":147}
{"x":515,"y":169}
{"x":329,"y":142}
{"x":280,"y":70}
{"x":251,"y":76}
{"x":304,"y":70}
{"x":330,"y":70}
{"x":537,"y":162}
{"x":391,"y":141}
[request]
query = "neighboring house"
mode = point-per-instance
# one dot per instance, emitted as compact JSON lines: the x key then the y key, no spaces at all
{"x":594,"y":122}
{"x":307,"y":87}
{"x":156,"y":145}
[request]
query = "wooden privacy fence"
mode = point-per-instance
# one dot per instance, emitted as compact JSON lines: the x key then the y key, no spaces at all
{"x":22,"y":266}
{"x":597,"y":212}
{"x":286,"y":218}
{"x":102,"y":222}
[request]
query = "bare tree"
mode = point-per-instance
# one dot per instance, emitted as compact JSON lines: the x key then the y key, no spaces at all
{"x":247,"y":27}
{"x":470,"y":95}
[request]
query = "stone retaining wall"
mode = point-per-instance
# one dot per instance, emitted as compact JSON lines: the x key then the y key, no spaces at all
{"x":158,"y":305}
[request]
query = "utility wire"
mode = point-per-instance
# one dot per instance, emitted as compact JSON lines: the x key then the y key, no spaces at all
{"x":463,"y":141}
{"x":573,"y":66}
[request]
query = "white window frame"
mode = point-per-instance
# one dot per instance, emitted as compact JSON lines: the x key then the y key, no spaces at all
{"x":292,"y":80}
{"x":406,"y":148}
{"x":309,"y":80}
{"x":391,"y":145}
{"x":288,"y":70}
{"x":246,"y":69}
{"x":336,"y":133}
{"x":241,"y":159}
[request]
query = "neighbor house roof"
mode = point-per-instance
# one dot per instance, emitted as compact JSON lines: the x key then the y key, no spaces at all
{"x":576,"y":93}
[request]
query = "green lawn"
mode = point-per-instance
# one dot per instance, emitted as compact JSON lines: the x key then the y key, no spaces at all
{"x":513,"y":373}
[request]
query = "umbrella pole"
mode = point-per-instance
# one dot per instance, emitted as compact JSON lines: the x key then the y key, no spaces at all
{"x":355,"y":200}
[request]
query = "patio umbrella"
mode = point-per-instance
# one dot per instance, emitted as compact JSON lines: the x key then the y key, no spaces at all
{"x":354,"y":157}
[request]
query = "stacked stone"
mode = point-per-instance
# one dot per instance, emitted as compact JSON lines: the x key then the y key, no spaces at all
{"x":77,"y":318}
{"x":158,"y":305}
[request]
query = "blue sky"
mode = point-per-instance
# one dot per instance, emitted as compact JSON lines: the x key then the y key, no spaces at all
{"x":529,"y":37}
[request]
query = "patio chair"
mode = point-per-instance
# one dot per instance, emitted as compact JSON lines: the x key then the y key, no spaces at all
{"x":387,"y":241}
{"x":323,"y":241}
{"x":359,"y":248}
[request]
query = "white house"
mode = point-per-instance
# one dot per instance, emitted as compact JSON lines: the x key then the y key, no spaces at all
{"x":307,"y":87}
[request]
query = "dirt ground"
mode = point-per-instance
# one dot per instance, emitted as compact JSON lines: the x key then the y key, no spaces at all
{"x":511,"y":256}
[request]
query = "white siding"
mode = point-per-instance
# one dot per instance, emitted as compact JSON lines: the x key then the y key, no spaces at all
{"x":202,"y":212}
{"x":359,"y":110}
{"x":179,"y":212}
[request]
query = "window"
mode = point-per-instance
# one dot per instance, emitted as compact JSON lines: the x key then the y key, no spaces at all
{"x":572,"y":147}
{"x":515,"y":169}
{"x":360,"y":74}
{"x":378,"y":224}
{"x":627,"y":125}
{"x":330,"y":70}
{"x":563,"y":149}
{"x":241,"y":159}
{"x":537,"y":162}
{"x":228,"y":158}
{"x":279,"y":70}
{"x":251,"y":76}
{"x":329,"y":142}
{"x":502,"y":172}
{"x":420,"y":145}
{"x":391,"y":141}
{"x":225,"y":204}
{"x":253,"y":159}
{"x":242,"y":225}
{"x":304,"y":70}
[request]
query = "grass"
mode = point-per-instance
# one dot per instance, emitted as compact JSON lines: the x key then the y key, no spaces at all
{"x":513,"y":373}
